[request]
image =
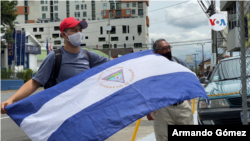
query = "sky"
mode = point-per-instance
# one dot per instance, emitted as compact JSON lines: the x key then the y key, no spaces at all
{"x":183,"y":22}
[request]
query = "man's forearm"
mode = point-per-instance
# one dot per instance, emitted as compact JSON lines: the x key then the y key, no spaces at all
{"x":26,"y":90}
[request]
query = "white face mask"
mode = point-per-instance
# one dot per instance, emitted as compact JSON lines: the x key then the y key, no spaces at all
{"x":75,"y":39}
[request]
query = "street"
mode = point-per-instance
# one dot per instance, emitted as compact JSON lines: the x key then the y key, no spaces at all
{"x":11,"y":132}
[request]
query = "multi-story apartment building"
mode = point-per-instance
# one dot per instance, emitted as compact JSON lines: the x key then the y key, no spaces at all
{"x":128,"y":20}
{"x":233,"y":25}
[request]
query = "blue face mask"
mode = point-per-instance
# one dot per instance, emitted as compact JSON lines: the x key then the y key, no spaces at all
{"x":75,"y":39}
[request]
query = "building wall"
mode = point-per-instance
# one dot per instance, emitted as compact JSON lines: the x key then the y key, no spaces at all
{"x":35,"y":10}
{"x":33,"y":62}
{"x":93,"y":30}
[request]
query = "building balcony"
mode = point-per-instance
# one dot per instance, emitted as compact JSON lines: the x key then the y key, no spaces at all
{"x":224,"y":5}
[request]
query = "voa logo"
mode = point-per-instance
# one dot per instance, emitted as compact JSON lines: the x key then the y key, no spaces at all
{"x":218,"y":22}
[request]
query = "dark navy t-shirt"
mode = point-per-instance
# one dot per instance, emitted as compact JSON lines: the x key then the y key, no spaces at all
{"x":72,"y":64}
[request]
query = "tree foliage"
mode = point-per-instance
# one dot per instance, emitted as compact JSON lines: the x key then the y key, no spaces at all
{"x":8,"y":17}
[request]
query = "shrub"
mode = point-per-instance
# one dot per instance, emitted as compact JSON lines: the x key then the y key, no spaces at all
{"x":27,"y":75}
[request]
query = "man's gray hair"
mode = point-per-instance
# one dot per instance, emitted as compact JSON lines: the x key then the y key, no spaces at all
{"x":156,"y":43}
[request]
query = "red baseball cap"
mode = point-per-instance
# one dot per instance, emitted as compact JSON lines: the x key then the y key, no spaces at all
{"x":72,"y":22}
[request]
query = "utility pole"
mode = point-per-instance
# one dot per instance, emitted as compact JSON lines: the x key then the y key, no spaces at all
{"x":202,"y":57}
{"x":214,"y":33}
{"x":109,"y":36}
{"x":195,"y":62}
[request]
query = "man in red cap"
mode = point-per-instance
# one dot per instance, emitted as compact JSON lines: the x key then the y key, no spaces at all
{"x":74,"y":60}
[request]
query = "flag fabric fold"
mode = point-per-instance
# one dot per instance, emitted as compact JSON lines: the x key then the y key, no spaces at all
{"x":47,"y":47}
{"x":103,"y":100}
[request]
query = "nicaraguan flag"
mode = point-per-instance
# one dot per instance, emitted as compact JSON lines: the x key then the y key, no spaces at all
{"x":103,"y":100}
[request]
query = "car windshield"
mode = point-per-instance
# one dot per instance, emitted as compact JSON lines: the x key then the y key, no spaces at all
{"x":228,"y":70}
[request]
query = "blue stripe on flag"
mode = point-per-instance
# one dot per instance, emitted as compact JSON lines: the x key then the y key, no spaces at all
{"x":35,"y":102}
{"x":106,"y":117}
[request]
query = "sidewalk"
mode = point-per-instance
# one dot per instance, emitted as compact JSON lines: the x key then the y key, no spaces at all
{"x":151,"y":137}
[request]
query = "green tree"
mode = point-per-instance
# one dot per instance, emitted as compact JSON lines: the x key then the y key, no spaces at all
{"x":8,"y":17}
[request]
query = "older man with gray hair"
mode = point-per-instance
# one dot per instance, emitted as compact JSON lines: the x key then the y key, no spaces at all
{"x":176,"y":114}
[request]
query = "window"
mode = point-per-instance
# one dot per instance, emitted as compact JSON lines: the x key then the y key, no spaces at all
{"x":112,"y":5}
{"x":137,"y":45}
{"x":118,"y":13}
{"x":46,"y":2}
{"x":83,"y":0}
{"x":133,"y":37}
{"x":38,"y":36}
{"x":55,"y":35}
{"x":85,"y":6}
{"x":84,"y":14}
{"x":128,"y":12}
{"x":114,"y":38}
{"x":124,"y":30}
{"x":139,"y":28}
{"x":101,"y":31}
{"x":134,"y":4}
{"x":25,"y":10}
{"x":115,"y":45}
{"x":44,"y":16}
{"x":126,"y":37}
{"x":140,"y":12}
{"x":86,"y":37}
{"x":118,"y":5}
{"x":41,"y":29}
{"x":67,"y":7}
{"x":44,"y":8}
{"x":34,"y":29}
{"x":57,"y":42}
{"x":128,"y":28}
{"x":81,"y":6}
{"x":56,"y":15}
{"x":26,"y":16}
{"x":77,"y":14}
{"x":133,"y":11}
{"x":55,"y":1}
{"x":67,"y":2}
{"x":113,"y":30}
{"x":56,"y":8}
{"x":102,"y":39}
{"x":76,"y":1}
{"x":15,"y":9}
{"x":67,"y":14}
{"x":25,"y":3}
{"x":140,"y":4}
{"x":105,"y":46}
{"x":56,"y":28}
{"x":105,"y":6}
{"x":84,"y":19}
{"x":93,"y":7}
{"x":77,"y":7}
{"x":104,"y":13}
{"x":42,"y":1}
{"x":127,"y":4}
{"x":124,"y":45}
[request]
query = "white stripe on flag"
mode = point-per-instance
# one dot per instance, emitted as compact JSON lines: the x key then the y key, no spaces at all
{"x":53,"y":113}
